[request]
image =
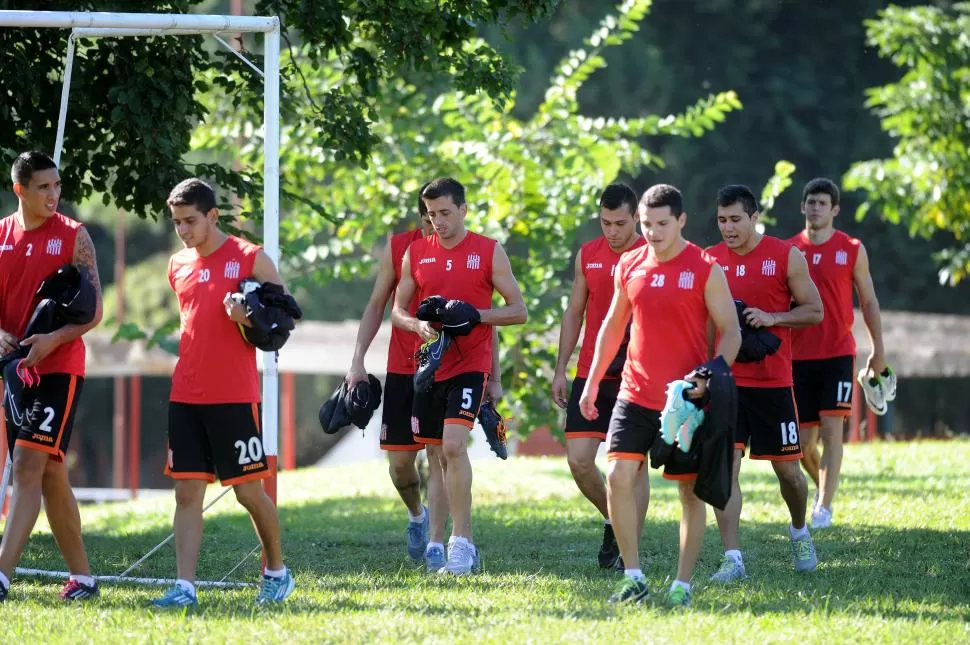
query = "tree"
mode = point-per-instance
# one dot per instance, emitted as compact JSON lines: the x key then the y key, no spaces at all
{"x":926,"y":183}
{"x":531,"y":184}
{"x":136,"y":101}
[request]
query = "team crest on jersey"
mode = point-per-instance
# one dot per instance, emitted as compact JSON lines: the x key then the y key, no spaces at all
{"x":54,"y":246}
{"x":474,"y":261}
{"x":768,"y":267}
{"x":232,"y":270}
{"x":841,"y":257}
{"x":686,"y":280}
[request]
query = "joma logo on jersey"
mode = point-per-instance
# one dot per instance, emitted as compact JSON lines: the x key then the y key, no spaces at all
{"x":232,"y":270}
{"x":841,"y":257}
{"x":427,"y":261}
{"x":686,"y":280}
{"x":54,"y":246}
{"x":768,"y":267}
{"x":474,"y":261}
{"x":594,"y":265}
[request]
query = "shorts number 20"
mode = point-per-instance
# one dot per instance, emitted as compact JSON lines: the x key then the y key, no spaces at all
{"x":248,"y":453}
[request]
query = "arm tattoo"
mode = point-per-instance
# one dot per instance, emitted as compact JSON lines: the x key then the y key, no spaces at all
{"x":84,"y":257}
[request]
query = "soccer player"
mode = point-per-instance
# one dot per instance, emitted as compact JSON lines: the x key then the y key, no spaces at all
{"x":670,"y":289}
{"x":463,"y":266}
{"x":824,"y":355}
{"x":214,"y":416}
{"x":592,"y":293}
{"x":396,"y":436}
{"x":771,"y":277}
{"x":36,"y":241}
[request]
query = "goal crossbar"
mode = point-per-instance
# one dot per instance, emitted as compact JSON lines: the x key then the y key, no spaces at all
{"x":197,"y":23}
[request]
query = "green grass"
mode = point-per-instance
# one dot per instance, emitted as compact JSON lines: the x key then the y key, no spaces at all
{"x":895,"y":569}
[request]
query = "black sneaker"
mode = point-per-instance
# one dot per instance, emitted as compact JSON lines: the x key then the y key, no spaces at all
{"x":3,"y":592}
{"x":630,"y":590}
{"x":620,"y":567}
{"x":609,"y":551}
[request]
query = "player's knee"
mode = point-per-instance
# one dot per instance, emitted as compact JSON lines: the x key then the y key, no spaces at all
{"x":621,"y":476}
{"x":403,"y":471}
{"x":454,"y":448}
{"x":29,"y":466}
{"x":248,"y":494}
{"x":189,"y":493}
{"x":580,"y":464}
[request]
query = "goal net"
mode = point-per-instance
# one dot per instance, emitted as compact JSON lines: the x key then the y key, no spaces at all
{"x":101,"y":25}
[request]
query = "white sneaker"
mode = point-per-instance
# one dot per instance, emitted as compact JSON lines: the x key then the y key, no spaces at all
{"x":821,"y":518}
{"x":889,"y":383}
{"x":874,"y":392}
{"x":461,"y":557}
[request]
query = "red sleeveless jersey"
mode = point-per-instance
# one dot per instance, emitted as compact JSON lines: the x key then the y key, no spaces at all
{"x":216,"y":364}
{"x":831,"y":265}
{"x":404,"y":345}
{"x":599,"y":266}
{"x":461,"y":273}
{"x":669,"y":334}
{"x":26,"y":258}
{"x":760,"y":279}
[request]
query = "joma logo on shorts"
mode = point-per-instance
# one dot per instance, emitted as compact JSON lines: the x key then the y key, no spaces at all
{"x":249,"y":467}
{"x":43,"y":437}
{"x":794,"y":448}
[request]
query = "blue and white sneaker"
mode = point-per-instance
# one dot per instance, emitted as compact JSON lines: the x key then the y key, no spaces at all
{"x":276,"y":589}
{"x":417,"y":533}
{"x":434,"y":557}
{"x":679,"y":413}
{"x":176,"y":596}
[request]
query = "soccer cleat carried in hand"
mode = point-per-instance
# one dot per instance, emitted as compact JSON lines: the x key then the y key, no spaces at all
{"x":679,"y":418}
{"x":429,"y":359}
{"x":495,"y":432}
{"x":877,"y":389}
{"x":459,"y":317}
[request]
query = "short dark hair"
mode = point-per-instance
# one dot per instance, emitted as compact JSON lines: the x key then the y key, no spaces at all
{"x":27,"y":163}
{"x":738,"y":193}
{"x":619,"y":194}
{"x":821,"y":185}
{"x":193,"y":192}
{"x":422,"y":209}
{"x":660,"y":195}
{"x":444,"y":187}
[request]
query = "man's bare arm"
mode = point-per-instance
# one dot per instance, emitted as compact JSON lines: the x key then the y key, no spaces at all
{"x":514,"y":311}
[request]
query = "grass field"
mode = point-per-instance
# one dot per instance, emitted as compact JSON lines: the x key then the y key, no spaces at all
{"x":895,"y":569}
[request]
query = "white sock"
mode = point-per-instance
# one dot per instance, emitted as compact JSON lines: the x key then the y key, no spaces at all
{"x":186,"y":586}
{"x":798,"y":533}
{"x":417,"y":519}
{"x":275,"y":573}
{"x":680,"y":583}
{"x":636,"y":574}
{"x":608,"y":522}
{"x":5,"y":581}
{"x":84,"y":580}
{"x":734,"y":554}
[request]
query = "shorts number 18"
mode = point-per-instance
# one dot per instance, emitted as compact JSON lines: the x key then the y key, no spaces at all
{"x":789,"y":433}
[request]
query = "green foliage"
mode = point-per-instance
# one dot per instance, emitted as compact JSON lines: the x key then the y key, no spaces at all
{"x":925,"y":185}
{"x":135,"y":101}
{"x":773,"y":189}
{"x":531,"y":184}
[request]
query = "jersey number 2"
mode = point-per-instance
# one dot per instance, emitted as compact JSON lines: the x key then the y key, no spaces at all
{"x":248,"y":453}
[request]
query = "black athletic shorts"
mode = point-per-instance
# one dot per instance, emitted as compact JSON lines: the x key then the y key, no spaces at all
{"x":578,"y":426}
{"x":453,"y":401}
{"x":396,"y":416}
{"x":633,"y":429}
{"x":823,"y":388}
{"x":221,"y":440}
{"x":50,"y":431}
{"x":768,"y":423}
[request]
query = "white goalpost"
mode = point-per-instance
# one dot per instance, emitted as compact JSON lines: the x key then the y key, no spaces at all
{"x":99,"y":24}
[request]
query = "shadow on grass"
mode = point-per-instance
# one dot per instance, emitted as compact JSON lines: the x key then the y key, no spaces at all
{"x":347,"y":551}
